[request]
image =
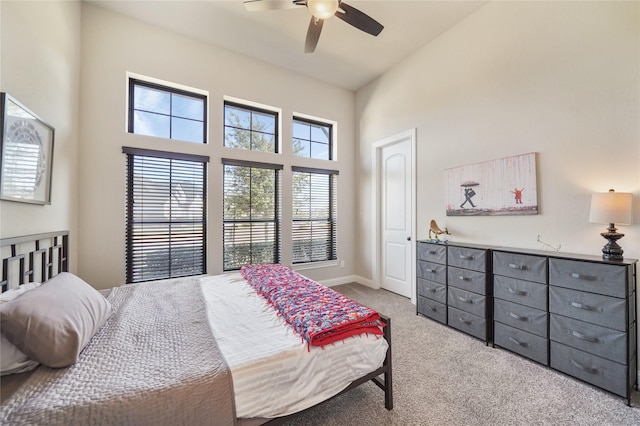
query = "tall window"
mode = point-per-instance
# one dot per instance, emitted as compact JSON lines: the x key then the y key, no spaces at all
{"x":312,"y":139}
{"x":167,"y":112}
{"x":250,"y":128}
{"x":166,"y":215}
{"x":314,"y":215}
{"x":251,"y":213}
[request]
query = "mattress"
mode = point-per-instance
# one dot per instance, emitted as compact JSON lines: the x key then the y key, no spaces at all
{"x":275,"y":373}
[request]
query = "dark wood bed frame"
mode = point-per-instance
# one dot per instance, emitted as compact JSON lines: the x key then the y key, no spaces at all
{"x":36,"y":257}
{"x":382,"y":377}
{"x":39,"y":257}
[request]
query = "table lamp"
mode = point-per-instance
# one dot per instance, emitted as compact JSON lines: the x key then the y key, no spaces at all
{"x":612,"y":208}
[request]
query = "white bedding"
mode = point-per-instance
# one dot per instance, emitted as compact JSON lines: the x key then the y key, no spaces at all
{"x":274,"y":372}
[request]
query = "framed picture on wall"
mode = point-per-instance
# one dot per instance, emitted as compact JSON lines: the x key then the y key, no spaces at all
{"x":505,"y":186}
{"x":27,"y":154}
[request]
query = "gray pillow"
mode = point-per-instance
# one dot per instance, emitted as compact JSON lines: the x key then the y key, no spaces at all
{"x":54,"y":322}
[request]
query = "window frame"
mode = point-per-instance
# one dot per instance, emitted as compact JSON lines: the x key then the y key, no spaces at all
{"x":132,"y":153}
{"x":277,"y":244}
{"x":137,"y":81}
{"x":251,"y":109}
{"x":332,"y":246}
{"x":312,"y":122}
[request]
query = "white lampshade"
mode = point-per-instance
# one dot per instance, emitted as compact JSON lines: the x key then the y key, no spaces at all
{"x":611,"y":207}
{"x":322,"y":9}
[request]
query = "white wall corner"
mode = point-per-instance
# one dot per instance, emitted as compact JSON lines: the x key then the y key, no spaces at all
{"x":347,"y":280}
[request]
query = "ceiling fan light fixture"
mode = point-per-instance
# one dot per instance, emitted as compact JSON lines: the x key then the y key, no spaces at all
{"x":323,"y":9}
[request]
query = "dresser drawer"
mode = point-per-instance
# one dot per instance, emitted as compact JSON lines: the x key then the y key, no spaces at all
{"x":432,"y":252}
{"x":432,"y":271}
{"x":432,"y":290}
{"x":432,"y":309}
{"x":610,"y":280}
{"x":467,"y":280}
{"x":525,"y":293}
{"x":594,"y":308}
{"x":601,"y":372}
{"x":469,"y":323}
{"x":522,"y":266}
{"x":468,"y":258}
{"x":467,"y":301}
{"x":605,"y":342}
{"x":522,"y":317}
{"x":521,"y":342}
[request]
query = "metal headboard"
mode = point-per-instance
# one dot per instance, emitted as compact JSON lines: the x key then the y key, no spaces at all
{"x":36,"y":257}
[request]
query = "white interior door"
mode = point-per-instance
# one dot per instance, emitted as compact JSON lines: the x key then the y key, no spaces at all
{"x":395,"y":189}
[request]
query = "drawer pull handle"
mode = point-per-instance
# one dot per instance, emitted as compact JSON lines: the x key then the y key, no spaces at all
{"x":464,"y":300}
{"x":584,"y":277}
{"x":579,"y":366}
{"x":463,"y":278}
{"x":585,"y":338}
{"x":430,"y":270}
{"x":433,"y":290}
{"x":464,"y":321}
{"x":523,"y":344}
{"x":432,"y":252}
{"x":518,"y":292}
{"x":432,"y":309}
{"x":463,"y":257}
{"x":518,"y":317}
{"x":520,"y":267}
{"x":583,"y":306}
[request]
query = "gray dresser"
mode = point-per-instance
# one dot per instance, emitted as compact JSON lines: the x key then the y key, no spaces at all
{"x":469,"y":298}
{"x":574,"y":313}
{"x":432,"y":280}
{"x":453,"y":286}
{"x":593,"y":322}
{"x":520,"y":304}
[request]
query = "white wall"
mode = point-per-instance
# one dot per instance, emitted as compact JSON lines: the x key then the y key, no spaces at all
{"x":39,"y":66}
{"x":113,"y":45}
{"x":558,"y":78}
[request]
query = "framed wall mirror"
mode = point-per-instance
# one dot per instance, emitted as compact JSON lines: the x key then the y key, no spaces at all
{"x":27,"y":154}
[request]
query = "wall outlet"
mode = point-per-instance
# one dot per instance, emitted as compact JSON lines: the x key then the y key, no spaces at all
{"x":342,"y":263}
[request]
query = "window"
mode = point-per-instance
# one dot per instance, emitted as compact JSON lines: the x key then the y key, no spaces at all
{"x":251,"y":216}
{"x":250,"y":128}
{"x":166,"y":215}
{"x":314,"y":215}
{"x":312,"y":139}
{"x":167,"y":112}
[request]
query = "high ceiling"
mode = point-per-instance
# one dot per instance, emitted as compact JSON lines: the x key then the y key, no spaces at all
{"x":345,"y":56}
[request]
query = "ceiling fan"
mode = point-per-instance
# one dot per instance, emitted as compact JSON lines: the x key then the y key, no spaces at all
{"x":321,"y":10}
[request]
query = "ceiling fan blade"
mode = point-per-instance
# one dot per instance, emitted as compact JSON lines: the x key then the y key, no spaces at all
{"x":261,"y":5}
{"x":358,"y":19}
{"x":313,"y":35}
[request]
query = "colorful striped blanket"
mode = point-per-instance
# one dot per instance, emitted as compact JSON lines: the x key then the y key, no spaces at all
{"x":319,"y":314}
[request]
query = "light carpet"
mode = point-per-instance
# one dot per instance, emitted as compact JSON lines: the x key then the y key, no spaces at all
{"x":445,"y":377}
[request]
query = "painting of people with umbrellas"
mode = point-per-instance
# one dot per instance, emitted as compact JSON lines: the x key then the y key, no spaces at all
{"x":506,"y":186}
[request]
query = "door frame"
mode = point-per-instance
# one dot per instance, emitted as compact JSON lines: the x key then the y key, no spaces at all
{"x":377,"y":262}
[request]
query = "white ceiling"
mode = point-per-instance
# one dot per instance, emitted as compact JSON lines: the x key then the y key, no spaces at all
{"x":345,"y":56}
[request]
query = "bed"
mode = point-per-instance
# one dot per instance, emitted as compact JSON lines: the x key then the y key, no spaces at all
{"x":195,"y":350}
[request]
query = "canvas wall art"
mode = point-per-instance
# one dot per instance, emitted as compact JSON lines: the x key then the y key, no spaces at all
{"x":506,"y":186}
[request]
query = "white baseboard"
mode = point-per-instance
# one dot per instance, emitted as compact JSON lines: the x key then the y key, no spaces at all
{"x":348,"y":279}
